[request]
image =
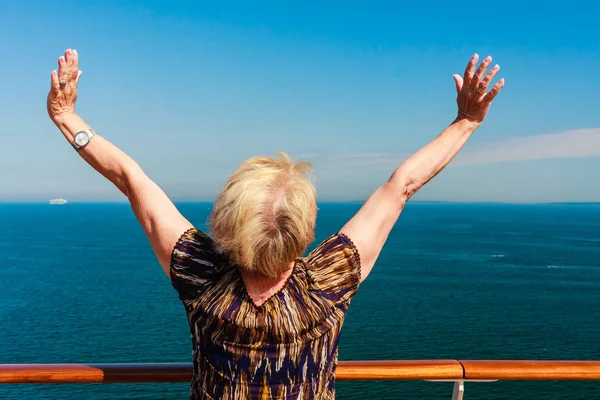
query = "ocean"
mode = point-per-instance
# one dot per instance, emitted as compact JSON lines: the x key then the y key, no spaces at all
{"x":79,"y":283}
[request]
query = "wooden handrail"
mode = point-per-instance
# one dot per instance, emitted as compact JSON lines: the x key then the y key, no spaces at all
{"x":399,"y":370}
{"x":530,"y":370}
{"x":347,"y":370}
{"x":182,"y":372}
{"x":95,"y":373}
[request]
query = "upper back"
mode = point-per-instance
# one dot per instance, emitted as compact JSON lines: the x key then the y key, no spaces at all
{"x":290,"y":338}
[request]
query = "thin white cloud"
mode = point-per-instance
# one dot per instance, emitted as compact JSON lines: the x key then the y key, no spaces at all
{"x":574,"y":143}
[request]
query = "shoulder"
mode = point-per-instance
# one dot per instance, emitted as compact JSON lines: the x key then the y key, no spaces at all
{"x":334,"y":266}
{"x":194,"y":262}
{"x":337,"y":248}
{"x":191,"y":243}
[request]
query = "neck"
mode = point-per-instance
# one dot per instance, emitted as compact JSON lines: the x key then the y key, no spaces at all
{"x":261,"y":287}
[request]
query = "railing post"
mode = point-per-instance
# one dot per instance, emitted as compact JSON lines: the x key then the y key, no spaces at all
{"x":459,"y":390}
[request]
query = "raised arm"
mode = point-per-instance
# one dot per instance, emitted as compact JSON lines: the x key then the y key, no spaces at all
{"x":371,"y":225}
{"x":159,"y":217}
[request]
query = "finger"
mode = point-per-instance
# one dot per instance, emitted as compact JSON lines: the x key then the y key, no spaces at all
{"x":74,"y":74}
{"x":458,"y":81}
{"x":62,"y":69}
{"x":495,"y":90}
{"x":69,"y":57}
{"x":75,"y":60}
{"x":54,"y":81}
{"x":72,"y":68}
{"x":483,"y":85}
{"x":468,"y":75}
{"x":480,"y":71}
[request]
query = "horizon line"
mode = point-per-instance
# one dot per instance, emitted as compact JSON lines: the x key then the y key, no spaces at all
{"x":39,"y":202}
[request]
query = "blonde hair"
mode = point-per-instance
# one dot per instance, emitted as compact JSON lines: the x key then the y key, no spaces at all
{"x":264,"y":218}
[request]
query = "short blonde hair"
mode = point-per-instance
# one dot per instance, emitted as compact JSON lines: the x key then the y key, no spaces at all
{"x":264,"y":218}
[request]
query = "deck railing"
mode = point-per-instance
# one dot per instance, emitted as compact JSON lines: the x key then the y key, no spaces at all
{"x":457,"y":371}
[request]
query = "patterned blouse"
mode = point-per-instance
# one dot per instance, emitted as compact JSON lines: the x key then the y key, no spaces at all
{"x":285,"y":349}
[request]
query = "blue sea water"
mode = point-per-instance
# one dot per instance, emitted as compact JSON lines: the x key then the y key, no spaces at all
{"x":79,"y":283}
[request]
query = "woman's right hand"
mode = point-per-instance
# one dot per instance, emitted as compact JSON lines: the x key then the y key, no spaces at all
{"x":63,"y":89}
{"x":473,"y":98}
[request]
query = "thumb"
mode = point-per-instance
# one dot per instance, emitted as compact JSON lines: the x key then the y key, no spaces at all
{"x":458,"y":81}
{"x":78,"y":76}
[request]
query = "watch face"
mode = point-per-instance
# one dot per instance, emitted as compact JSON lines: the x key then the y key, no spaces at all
{"x":82,"y":138}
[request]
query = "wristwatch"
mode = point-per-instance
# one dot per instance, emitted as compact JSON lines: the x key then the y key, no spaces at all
{"x":82,"y":138}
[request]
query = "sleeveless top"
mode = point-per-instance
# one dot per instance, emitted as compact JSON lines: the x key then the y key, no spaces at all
{"x":285,"y":349}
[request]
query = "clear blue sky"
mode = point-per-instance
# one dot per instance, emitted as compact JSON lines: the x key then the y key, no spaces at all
{"x":191,"y":88}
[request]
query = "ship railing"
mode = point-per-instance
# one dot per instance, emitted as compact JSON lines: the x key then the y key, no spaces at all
{"x":457,"y":371}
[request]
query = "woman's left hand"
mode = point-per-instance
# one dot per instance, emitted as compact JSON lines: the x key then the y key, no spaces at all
{"x":63,"y":89}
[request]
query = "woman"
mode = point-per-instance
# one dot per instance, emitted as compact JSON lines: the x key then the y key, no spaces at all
{"x":265,"y":321}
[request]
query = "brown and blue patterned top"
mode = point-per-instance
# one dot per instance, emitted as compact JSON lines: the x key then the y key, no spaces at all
{"x":285,"y":349}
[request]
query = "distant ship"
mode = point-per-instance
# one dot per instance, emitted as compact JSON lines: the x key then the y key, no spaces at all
{"x":58,"y":201}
